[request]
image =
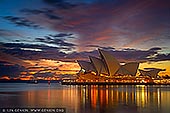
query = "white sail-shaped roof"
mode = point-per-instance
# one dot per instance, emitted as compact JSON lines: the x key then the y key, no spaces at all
{"x":123,"y":71}
{"x":87,"y":66}
{"x":144,"y":73}
{"x":131,"y":67}
{"x":99,"y":65}
{"x":112,"y":64}
{"x":154,"y":73}
{"x":151,"y":73}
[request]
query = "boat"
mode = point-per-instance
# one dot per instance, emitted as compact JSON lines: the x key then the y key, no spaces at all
{"x":33,"y":82}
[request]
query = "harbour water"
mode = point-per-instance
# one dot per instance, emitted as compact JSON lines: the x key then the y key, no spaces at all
{"x":87,"y":99}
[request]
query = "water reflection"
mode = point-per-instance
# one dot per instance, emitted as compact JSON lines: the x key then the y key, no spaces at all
{"x":134,"y":98}
{"x":93,"y":99}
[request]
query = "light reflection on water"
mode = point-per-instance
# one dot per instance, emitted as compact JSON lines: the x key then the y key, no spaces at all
{"x":88,"y":99}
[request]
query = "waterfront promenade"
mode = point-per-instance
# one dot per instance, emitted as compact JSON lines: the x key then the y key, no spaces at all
{"x":65,"y":82}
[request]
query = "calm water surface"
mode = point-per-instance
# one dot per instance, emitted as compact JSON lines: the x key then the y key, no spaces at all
{"x":87,"y":99}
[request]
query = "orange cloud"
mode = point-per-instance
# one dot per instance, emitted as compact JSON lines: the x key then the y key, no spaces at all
{"x":5,"y":77}
{"x":53,"y":66}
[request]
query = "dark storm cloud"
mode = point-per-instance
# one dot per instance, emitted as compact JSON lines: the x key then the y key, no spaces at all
{"x":62,"y":35}
{"x":125,"y":55}
{"x":140,"y":55}
{"x":33,"y":46}
{"x":33,"y":11}
{"x":128,"y":49}
{"x":4,"y":56}
{"x":161,"y":57}
{"x":60,"y":4}
{"x":97,"y":46}
{"x":46,"y":12}
{"x":155,"y":49}
{"x":21,"y":21}
{"x":59,"y":42}
{"x":22,"y":45}
{"x":12,"y":70}
{"x":120,"y":23}
{"x":56,"y":41}
{"x":12,"y":59}
{"x":82,"y":55}
{"x":51,"y":16}
{"x":28,"y":51}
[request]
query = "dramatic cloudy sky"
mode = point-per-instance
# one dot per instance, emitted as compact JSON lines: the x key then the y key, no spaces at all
{"x":62,"y":31}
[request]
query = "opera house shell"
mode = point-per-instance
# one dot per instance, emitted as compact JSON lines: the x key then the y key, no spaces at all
{"x":151,"y":72}
{"x":108,"y":65}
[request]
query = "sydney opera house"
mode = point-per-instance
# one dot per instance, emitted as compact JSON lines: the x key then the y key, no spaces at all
{"x":108,"y":65}
{"x":106,"y":68}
